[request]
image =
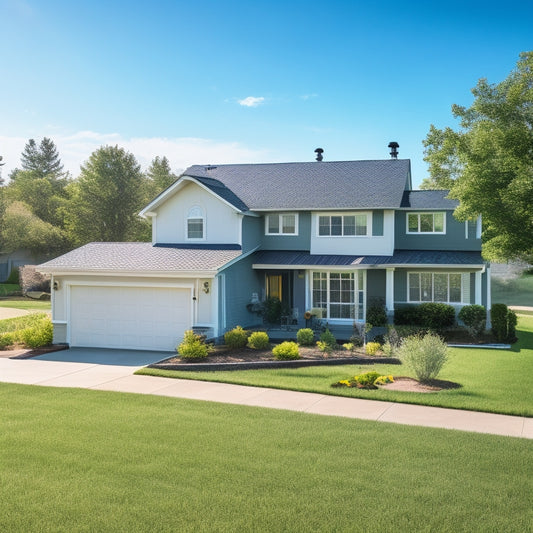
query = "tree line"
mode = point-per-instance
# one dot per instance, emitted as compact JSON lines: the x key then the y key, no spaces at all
{"x":44,"y":210}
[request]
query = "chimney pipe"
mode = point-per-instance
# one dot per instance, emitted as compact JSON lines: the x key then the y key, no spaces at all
{"x":394,"y":149}
{"x":319,"y":153}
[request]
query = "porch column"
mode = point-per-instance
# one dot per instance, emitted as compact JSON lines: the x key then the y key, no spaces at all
{"x":478,"y":299}
{"x":489,"y":297}
{"x":389,"y":291}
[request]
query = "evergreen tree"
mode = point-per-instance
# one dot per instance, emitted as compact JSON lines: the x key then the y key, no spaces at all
{"x":43,"y":160}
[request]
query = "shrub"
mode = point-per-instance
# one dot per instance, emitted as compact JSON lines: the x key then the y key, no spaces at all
{"x":356,"y":340}
{"x":286,"y":351}
{"x":436,"y":316}
{"x":13,"y":276}
{"x":328,"y":338}
{"x":41,"y":334}
{"x":376,"y":315}
{"x":305,"y":337}
{"x":371,"y":348}
{"x":6,"y":339}
{"x":366,"y":380}
{"x":193,"y":346}
{"x":236,"y":338}
{"x":474,"y":318}
{"x":273,"y":310}
{"x":407,"y":316}
{"x":425,"y":355}
{"x":504,"y":322}
{"x":388,"y":349}
{"x":349,"y":346}
{"x":259,"y":340}
{"x":324,"y":347}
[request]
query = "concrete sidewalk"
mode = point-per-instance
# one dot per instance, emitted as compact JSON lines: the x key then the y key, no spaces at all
{"x":108,"y":377}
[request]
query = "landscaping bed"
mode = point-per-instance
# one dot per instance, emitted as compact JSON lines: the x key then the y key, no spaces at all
{"x":224,"y":358}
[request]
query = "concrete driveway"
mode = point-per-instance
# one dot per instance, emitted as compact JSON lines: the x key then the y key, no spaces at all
{"x":104,"y":356}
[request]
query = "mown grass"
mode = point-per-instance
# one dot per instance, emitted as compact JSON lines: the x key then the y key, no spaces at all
{"x":77,"y":460}
{"x":513,"y":292}
{"x":490,"y":380}
{"x":27,"y":304}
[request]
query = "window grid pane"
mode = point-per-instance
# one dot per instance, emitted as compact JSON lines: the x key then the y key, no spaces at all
{"x":195,"y":228}
{"x":288,"y":223}
{"x":273,"y":224}
{"x":324,"y":226}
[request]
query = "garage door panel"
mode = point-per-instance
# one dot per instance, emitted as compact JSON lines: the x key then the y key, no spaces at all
{"x":152,"y":318}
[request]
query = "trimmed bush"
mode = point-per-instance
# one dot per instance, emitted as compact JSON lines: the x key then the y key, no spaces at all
{"x":371,"y":348}
{"x":504,"y":322}
{"x":193,"y":346}
{"x":236,"y":338}
{"x":305,"y":337}
{"x":474,"y":318}
{"x":273,"y":310}
{"x":407,"y":316}
{"x":376,"y":315}
{"x":259,"y":340}
{"x":424,"y":355}
{"x":436,"y":316}
{"x":286,"y":351}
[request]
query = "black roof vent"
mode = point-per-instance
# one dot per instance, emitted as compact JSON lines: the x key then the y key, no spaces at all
{"x":394,"y":149}
{"x":319,"y":153}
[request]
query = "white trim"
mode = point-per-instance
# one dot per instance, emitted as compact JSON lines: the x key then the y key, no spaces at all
{"x":198,"y":213}
{"x":488,"y":325}
{"x":162,"y":197}
{"x":433,"y":287}
{"x":262,"y":266}
{"x":136,"y":274}
{"x":160,"y":285}
{"x":478,"y":227}
{"x":369,"y":220}
{"x":478,"y":289}
{"x":389,"y":289}
{"x":280,"y":224}
{"x":433,"y":212}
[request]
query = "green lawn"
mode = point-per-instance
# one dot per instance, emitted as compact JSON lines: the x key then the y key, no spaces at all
{"x":513,"y":292}
{"x":27,"y":303}
{"x":496,"y":381}
{"x":77,"y":460}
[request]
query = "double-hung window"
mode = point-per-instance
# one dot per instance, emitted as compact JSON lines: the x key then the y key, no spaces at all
{"x":343,"y":225}
{"x":441,"y":287}
{"x":195,"y":224}
{"x":339,"y":294}
{"x":426,"y":223}
{"x":281,"y":224}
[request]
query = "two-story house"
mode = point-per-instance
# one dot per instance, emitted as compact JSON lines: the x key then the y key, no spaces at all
{"x":327,"y":236}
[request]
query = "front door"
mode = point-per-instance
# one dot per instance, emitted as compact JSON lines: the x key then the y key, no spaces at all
{"x":279,"y":285}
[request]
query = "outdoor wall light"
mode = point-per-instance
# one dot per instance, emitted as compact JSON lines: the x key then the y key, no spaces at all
{"x":56,"y":285}
{"x":206,"y":287}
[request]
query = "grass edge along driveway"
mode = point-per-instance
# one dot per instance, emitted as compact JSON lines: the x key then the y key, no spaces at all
{"x":496,"y":381}
{"x":78,"y":460}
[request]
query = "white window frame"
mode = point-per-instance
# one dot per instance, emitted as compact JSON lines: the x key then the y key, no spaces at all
{"x":359,"y":294}
{"x":280,"y":224}
{"x":433,"y":273}
{"x":195,"y":213}
{"x":367,"y":214}
{"x":418,"y":214}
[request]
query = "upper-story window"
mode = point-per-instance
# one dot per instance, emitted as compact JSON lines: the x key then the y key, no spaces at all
{"x":343,"y":225}
{"x":426,"y":223}
{"x":281,"y":224}
{"x":195,"y":223}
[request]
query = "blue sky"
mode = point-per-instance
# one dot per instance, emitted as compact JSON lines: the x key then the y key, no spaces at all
{"x":211,"y":82}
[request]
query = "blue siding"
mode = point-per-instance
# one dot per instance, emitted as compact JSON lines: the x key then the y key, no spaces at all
{"x":252,"y":229}
{"x":375,"y":286}
{"x":377,"y":223}
{"x":240,"y":282}
{"x":454,"y":239}
{"x":302,"y":241}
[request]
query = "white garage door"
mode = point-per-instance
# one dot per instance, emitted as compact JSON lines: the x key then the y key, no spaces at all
{"x":138,"y":318}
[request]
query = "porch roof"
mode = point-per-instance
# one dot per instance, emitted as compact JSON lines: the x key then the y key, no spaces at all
{"x":277,"y":259}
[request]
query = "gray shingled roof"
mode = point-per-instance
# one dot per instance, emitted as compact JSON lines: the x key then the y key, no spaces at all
{"x":401,"y":257}
{"x":138,"y":257}
{"x":310,"y":185}
{"x":428,"y":200}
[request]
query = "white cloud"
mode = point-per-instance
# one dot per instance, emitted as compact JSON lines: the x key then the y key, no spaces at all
{"x":252,"y":101}
{"x":182,"y":152}
{"x":308,"y":96}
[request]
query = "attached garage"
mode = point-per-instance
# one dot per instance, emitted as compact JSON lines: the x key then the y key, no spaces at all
{"x":131,"y":317}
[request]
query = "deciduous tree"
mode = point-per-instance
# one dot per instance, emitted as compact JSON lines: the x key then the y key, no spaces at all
{"x":488,"y":162}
